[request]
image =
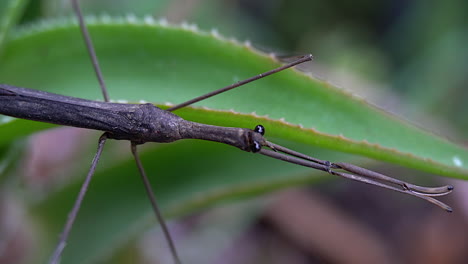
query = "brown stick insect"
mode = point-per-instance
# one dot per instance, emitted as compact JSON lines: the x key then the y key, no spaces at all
{"x":142,"y":123}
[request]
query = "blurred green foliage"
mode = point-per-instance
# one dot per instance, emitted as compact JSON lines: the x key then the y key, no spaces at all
{"x":414,"y":52}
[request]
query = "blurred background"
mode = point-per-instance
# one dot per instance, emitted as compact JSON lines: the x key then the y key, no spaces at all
{"x":407,"y":57}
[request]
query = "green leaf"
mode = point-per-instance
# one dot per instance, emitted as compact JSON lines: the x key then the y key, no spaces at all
{"x":144,"y":60}
{"x":151,"y":61}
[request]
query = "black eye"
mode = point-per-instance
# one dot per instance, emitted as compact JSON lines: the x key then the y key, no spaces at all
{"x":260,"y":129}
{"x":256,"y":147}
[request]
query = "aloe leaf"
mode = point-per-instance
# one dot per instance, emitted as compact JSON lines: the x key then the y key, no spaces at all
{"x":147,"y":60}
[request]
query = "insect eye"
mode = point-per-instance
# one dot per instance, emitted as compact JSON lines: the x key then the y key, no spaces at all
{"x":256,"y":147}
{"x":260,"y":129}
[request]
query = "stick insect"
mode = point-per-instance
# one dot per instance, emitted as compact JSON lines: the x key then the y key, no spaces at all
{"x":144,"y":123}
